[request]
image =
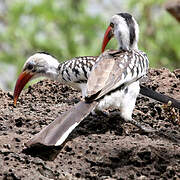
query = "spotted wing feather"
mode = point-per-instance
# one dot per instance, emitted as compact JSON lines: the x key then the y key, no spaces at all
{"x":77,"y":69}
{"x":115,"y":69}
{"x":100,"y":74}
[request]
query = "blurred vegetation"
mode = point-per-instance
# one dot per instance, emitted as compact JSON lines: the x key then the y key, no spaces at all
{"x":62,"y":28}
{"x":65,"y":29}
{"x":160,"y":33}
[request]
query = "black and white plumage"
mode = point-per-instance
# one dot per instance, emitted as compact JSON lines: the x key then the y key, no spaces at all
{"x":113,"y":82}
{"x":75,"y":72}
{"x":118,"y":85}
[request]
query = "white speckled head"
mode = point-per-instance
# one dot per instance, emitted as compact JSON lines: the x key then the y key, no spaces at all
{"x":42,"y":64}
{"x":126,"y":30}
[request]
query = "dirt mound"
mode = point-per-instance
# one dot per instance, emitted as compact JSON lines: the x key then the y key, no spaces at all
{"x":100,"y":147}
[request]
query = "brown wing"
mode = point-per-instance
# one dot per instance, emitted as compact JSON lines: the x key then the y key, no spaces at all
{"x":100,"y":74}
{"x":114,"y":69}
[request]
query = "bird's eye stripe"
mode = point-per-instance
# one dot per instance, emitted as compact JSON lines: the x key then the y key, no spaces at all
{"x":30,"y":66}
{"x":112,"y":25}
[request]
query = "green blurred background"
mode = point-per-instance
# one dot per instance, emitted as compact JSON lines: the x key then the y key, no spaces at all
{"x":72,"y":28}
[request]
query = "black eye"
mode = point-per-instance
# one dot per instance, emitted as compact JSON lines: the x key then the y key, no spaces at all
{"x":112,"y":25}
{"x":29,"y":66}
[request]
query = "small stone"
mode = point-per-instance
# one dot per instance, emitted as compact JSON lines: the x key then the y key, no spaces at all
{"x":142,"y":178}
{"x":68,"y":149}
{"x":7,"y":146}
{"x":17,"y":139}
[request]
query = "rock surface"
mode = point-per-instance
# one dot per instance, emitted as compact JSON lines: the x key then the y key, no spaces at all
{"x":100,"y":147}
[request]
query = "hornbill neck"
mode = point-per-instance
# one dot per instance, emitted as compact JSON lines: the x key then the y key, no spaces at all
{"x":50,"y":69}
{"x":129,"y":40}
{"x":52,"y":72}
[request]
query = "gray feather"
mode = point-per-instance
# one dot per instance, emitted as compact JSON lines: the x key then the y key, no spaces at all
{"x":56,"y":133}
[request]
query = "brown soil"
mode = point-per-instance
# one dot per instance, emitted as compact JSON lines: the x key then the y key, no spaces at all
{"x":101,"y":147}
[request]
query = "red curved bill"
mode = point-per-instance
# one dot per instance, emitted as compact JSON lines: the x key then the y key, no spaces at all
{"x":22,"y":80}
{"x":107,"y":36}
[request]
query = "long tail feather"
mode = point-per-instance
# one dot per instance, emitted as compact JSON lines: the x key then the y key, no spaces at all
{"x":159,"y":97}
{"x":56,"y":133}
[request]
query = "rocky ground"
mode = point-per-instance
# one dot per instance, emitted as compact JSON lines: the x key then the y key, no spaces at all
{"x":101,"y":147}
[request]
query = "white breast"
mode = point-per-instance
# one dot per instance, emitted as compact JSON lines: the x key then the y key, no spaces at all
{"x":121,"y":98}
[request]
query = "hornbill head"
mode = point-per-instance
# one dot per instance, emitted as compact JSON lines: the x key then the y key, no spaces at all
{"x":38,"y":65}
{"x":125,"y":29}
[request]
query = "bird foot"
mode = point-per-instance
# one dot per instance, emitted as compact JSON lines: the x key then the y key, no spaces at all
{"x":143,"y":127}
